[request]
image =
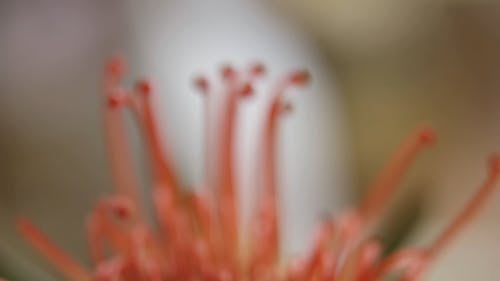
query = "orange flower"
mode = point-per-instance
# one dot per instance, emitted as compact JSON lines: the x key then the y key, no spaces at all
{"x":198,"y":235}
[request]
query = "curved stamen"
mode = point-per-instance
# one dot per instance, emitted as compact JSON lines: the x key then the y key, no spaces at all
{"x":163,"y":170}
{"x":391,"y":175}
{"x":63,"y":262}
{"x":471,"y":209}
{"x":224,"y":172}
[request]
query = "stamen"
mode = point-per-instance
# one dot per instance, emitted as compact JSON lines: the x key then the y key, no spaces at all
{"x":120,"y":159}
{"x":202,"y":84}
{"x":266,"y":229}
{"x":228,"y":72}
{"x":299,"y":78}
{"x":199,"y":238}
{"x":388,"y":179}
{"x":161,"y":161}
{"x":63,"y":262}
{"x":224,"y":174}
{"x":257,"y":70}
{"x":116,"y":68}
{"x":470,"y":210}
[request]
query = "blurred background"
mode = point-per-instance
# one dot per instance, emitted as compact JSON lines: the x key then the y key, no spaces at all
{"x":380,"y":69}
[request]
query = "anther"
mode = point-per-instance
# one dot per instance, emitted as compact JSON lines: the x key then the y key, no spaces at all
{"x":116,"y":66}
{"x":144,"y":87}
{"x":257,"y":69}
{"x":116,"y":100}
{"x":495,"y":164}
{"x":246,"y":90}
{"x":121,"y":207}
{"x":427,"y":136}
{"x":228,"y":72}
{"x":202,"y":84}
{"x":299,"y":78}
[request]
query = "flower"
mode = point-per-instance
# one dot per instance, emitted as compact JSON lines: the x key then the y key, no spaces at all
{"x":198,"y":235}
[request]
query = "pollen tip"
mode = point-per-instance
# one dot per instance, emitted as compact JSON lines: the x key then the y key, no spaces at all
{"x":247,"y":90}
{"x":258,"y":69}
{"x":495,"y":163}
{"x":300,"y":78}
{"x":116,"y":66}
{"x":228,"y":72}
{"x":201,"y":83}
{"x":144,"y":87}
{"x":121,"y":207}
{"x":115,"y":101}
{"x":427,"y":136}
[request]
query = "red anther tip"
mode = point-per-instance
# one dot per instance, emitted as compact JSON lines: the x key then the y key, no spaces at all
{"x":300,"y":78}
{"x":495,"y":164}
{"x":144,"y":87}
{"x":115,"y":101}
{"x":121,"y":208}
{"x":246,"y":90}
{"x":427,"y":136}
{"x":116,"y":66}
{"x":202,"y":84}
{"x":228,"y":72}
{"x":258,"y":69}
{"x":122,"y":212}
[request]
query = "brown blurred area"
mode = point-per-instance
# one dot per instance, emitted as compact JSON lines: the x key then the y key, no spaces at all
{"x":398,"y":64}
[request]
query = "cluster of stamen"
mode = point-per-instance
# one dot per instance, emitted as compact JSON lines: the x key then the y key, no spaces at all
{"x":198,"y":236}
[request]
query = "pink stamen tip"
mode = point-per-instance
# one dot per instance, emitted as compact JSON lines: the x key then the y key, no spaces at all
{"x":144,"y":87}
{"x":121,"y":208}
{"x":247,"y":90}
{"x":300,"y":78}
{"x":428,"y":136}
{"x":202,"y":84}
{"x":258,"y":69}
{"x":495,"y":164}
{"x":116,"y":100}
{"x":228,"y":72}
{"x":116,"y":66}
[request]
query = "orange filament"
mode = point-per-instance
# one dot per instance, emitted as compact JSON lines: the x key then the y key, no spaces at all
{"x":390,"y":176}
{"x":198,"y":237}
{"x":63,"y":262}
{"x":120,"y":158}
{"x":161,"y":162}
{"x":266,"y":230}
{"x":471,"y":209}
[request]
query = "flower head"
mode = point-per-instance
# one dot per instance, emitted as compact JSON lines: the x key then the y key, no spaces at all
{"x":198,"y":233}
